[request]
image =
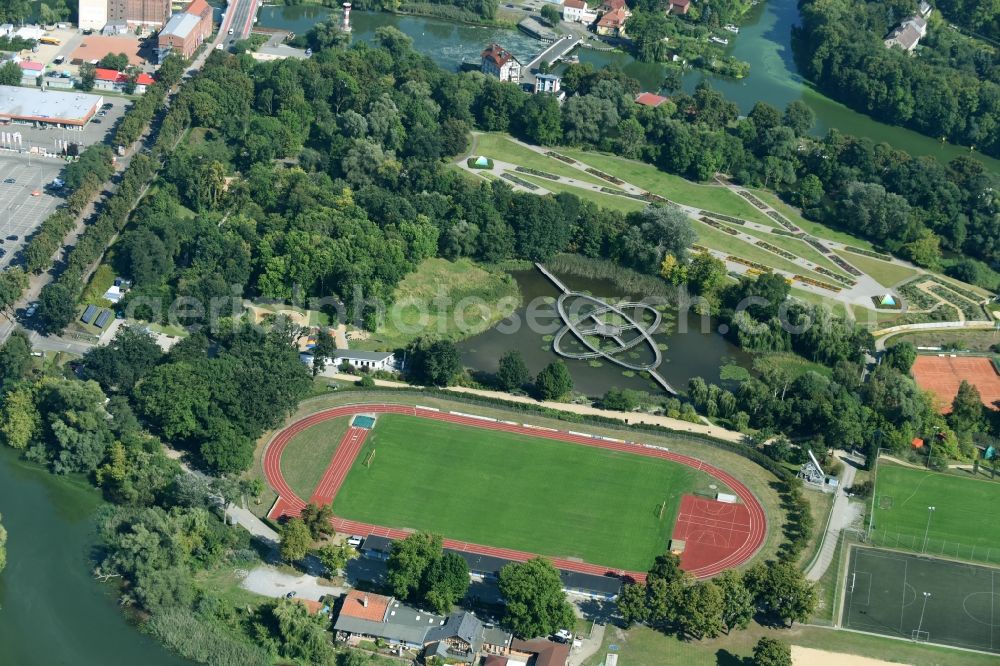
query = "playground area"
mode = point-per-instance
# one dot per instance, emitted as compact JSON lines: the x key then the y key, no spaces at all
{"x":514,"y":490}
{"x":922,"y":599}
{"x":943,"y":374}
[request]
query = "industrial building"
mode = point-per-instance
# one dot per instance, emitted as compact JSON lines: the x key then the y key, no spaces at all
{"x":60,"y":109}
{"x":185,"y":31}
{"x":145,"y":13}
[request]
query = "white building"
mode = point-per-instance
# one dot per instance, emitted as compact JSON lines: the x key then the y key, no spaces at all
{"x":362,"y":360}
{"x":547,"y":83}
{"x":93,"y":14}
{"x":576,"y":11}
{"x":501,"y":63}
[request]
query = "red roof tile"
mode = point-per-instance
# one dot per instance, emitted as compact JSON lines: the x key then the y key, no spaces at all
{"x":649,"y":99}
{"x":109,"y":75}
{"x":197,"y":7}
{"x":575,"y":4}
{"x":354,"y":606}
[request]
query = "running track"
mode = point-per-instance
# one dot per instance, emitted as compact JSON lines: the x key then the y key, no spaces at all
{"x":288,"y":503}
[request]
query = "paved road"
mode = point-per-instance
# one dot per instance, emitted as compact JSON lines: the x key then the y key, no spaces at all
{"x":239,"y":18}
{"x":842,"y":516}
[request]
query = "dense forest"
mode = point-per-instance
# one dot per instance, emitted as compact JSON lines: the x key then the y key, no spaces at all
{"x":949,"y":89}
{"x":981,"y":17}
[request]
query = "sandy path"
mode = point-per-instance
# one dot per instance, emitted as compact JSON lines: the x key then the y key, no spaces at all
{"x":802,"y":656}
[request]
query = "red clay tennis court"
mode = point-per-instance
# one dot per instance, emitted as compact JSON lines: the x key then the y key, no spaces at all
{"x":942,"y":375}
{"x":712,"y":531}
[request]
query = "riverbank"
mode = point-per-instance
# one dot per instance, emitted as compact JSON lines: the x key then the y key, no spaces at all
{"x":52,"y":611}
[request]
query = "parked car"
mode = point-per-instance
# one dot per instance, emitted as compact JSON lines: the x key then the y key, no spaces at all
{"x":107,"y":105}
{"x":12,"y":237}
{"x":9,"y":181}
{"x":96,"y":121}
{"x":354,"y":541}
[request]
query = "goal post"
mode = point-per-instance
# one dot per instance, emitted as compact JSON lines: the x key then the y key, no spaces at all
{"x":919,"y":636}
{"x":369,"y":458}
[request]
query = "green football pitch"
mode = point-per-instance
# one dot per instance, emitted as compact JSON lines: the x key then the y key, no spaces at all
{"x":961,"y":524}
{"x":923,"y":599}
{"x":514,"y":491}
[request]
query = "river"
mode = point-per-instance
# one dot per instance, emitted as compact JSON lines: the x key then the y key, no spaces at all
{"x":764,"y":41}
{"x":52,"y":611}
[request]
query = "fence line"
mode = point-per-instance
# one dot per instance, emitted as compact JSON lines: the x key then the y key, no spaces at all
{"x":936,"y":546}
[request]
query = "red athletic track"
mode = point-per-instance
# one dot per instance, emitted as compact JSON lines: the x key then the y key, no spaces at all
{"x":710,"y":529}
{"x":289,"y":503}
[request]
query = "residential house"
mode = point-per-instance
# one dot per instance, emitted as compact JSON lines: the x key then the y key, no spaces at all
{"x":30,"y":71}
{"x":464,"y":637}
{"x":650,"y":99}
{"x":536,"y":652}
{"x":500,"y":63}
{"x":111,"y":79}
{"x":681,"y":7}
{"x":612,"y":23}
{"x":611,"y":5}
{"x":907,"y":34}
{"x":367,"y":616}
{"x":577,"y":11}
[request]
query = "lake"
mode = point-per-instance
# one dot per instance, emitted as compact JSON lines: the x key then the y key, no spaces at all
{"x":685,"y":354}
{"x":764,"y":41}
{"x":52,"y":611}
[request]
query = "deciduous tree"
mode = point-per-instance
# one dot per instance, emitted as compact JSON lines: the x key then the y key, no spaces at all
{"x":535,"y":602}
{"x":295,"y":540}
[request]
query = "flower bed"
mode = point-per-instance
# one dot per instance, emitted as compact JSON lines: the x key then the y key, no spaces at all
{"x":750,"y":264}
{"x":605,"y":176}
{"x":819,"y":246}
{"x":785,"y":232}
{"x":969,"y":309}
{"x":777,"y":217}
{"x":846,"y":266}
{"x":868,"y":253}
{"x":836,"y":276}
{"x":752,"y":199}
{"x":970,"y":295}
{"x":536,"y":172}
{"x":816,"y":283}
{"x":776,"y":250}
{"x":718,"y":225}
{"x":655,"y":198}
{"x":561,"y":158}
{"x":728,"y":218}
{"x":520,"y":181}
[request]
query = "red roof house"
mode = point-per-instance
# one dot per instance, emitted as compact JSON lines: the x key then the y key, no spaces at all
{"x":650,"y":99}
{"x":680,"y":6}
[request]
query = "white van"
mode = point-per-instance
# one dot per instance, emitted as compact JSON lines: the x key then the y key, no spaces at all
{"x":354,"y":541}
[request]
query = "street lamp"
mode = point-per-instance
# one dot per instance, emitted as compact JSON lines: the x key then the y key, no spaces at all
{"x":930,"y":512}
{"x":927,"y":595}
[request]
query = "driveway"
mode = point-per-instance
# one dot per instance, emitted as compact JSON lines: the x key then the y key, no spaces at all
{"x":270,"y":582}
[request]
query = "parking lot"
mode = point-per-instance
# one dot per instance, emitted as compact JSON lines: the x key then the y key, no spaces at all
{"x":20,"y":211}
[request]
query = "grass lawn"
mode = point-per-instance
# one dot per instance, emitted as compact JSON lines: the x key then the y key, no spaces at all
{"x":884,"y":273}
{"x":486,"y":298}
{"x":500,"y":147}
{"x":836,"y":307}
{"x":717,"y":240}
{"x":795,"y":365}
{"x":641,"y":646}
{"x":505,"y":489}
{"x":755,"y":477}
{"x":795,"y":246}
{"x":710,"y":197}
{"x":960,"y":526}
{"x":970,"y":340}
{"x":624,"y":204}
{"x":815,"y":228}
{"x":309,"y":453}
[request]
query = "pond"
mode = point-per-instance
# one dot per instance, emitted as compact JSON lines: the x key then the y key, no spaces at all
{"x":52,"y":611}
{"x":764,"y":41}
{"x":530,"y":330}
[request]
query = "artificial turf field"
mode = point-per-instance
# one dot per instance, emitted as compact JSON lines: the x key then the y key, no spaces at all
{"x":961,"y":526}
{"x":510,"y":490}
{"x":920,"y":598}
